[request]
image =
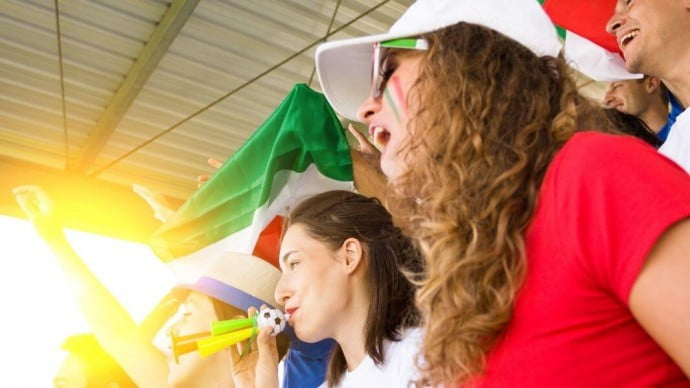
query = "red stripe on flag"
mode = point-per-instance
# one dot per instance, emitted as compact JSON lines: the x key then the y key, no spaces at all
{"x":586,"y":18}
{"x":268,"y":245}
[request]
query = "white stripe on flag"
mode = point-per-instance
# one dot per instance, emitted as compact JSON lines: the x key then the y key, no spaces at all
{"x":595,"y":61}
{"x":289,"y":187}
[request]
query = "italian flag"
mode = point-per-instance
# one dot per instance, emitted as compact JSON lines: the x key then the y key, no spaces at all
{"x":300,"y":150}
{"x":586,"y":18}
{"x":588,"y":47}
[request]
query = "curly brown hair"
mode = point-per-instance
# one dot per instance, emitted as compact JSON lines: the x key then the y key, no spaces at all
{"x":478,"y":159}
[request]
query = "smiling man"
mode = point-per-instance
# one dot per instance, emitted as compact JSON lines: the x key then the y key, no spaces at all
{"x":644,"y":98}
{"x":654,"y":36}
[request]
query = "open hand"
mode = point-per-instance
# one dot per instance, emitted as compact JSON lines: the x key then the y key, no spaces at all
{"x":368,"y":177}
{"x":162,"y":209}
{"x":363,"y":144}
{"x":39,"y":208}
{"x":201,"y":179}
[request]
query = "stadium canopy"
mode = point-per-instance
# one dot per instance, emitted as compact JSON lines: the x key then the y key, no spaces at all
{"x":97,"y":95}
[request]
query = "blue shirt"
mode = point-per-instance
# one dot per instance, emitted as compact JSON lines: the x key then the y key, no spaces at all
{"x":676,"y":109}
{"x":306,"y":364}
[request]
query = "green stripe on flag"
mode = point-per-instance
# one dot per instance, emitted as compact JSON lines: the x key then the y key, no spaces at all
{"x":559,"y":30}
{"x":301,"y":132}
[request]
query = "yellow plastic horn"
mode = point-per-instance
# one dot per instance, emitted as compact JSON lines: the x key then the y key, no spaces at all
{"x":208,"y":346}
{"x":184,"y":344}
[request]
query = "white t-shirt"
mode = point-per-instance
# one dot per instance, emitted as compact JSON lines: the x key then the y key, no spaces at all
{"x":397,"y":370}
{"x":677,"y":145}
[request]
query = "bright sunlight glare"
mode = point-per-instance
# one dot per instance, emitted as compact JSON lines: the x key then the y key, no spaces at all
{"x":39,"y":309}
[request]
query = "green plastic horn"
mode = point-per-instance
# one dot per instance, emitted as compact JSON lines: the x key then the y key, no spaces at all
{"x":222,"y":327}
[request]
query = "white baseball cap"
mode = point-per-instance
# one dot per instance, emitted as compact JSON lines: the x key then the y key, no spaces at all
{"x":344,"y":66}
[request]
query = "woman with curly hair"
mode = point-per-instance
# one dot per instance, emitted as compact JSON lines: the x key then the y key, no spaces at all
{"x":556,"y":254}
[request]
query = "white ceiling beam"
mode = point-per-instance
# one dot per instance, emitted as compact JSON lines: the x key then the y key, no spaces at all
{"x":160,"y":40}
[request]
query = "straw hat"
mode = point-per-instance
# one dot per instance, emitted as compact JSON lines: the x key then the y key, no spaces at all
{"x":240,"y":280}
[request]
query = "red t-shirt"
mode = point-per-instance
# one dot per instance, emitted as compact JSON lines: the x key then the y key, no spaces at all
{"x":604,"y":202}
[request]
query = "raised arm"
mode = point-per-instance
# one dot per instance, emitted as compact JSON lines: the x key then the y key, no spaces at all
{"x":112,"y":325}
{"x":660,"y":297}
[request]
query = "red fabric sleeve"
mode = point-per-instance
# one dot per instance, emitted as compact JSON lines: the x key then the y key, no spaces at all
{"x":617,"y":196}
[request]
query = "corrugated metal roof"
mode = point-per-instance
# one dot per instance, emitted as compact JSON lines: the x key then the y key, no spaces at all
{"x":222,"y":45}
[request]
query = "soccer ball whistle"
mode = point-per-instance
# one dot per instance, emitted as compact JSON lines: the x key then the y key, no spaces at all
{"x":229,"y":332}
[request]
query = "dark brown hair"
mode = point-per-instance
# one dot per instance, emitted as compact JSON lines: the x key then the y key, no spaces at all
{"x":487,"y":117}
{"x":634,"y":126}
{"x":333,"y":217}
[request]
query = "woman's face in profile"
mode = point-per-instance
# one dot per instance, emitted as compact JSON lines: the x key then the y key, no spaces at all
{"x":197,"y":313}
{"x":313,"y":287}
{"x":388,"y":116}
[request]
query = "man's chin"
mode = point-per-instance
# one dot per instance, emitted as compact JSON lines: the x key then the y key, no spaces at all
{"x":633,"y":65}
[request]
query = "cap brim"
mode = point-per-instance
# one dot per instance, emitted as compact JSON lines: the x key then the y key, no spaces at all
{"x":344,"y":70}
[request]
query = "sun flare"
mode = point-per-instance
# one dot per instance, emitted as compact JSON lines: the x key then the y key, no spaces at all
{"x":40,"y":311}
